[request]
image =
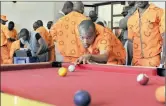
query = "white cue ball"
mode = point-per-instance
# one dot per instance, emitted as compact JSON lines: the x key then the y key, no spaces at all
{"x":71,"y":68}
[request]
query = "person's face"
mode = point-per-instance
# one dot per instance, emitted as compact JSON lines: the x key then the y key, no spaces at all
{"x":10,"y":26}
{"x":35,"y":27}
{"x":87,"y":38}
{"x":142,"y":4}
{"x":24,"y":36}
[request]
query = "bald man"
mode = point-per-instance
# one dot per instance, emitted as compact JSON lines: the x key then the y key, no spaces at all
{"x":67,"y":8}
{"x":100,"y":47}
{"x":95,"y":18}
{"x":78,"y":7}
{"x":102,"y":41}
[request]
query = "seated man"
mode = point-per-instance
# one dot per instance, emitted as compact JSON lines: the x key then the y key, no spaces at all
{"x":35,"y":43}
{"x":97,"y":40}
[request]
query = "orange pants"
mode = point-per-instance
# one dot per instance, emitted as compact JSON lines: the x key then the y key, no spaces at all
{"x":5,"y":57}
{"x":151,"y":61}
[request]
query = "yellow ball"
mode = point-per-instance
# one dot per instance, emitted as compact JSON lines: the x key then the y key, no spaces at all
{"x":62,"y":72}
{"x":160,"y":94}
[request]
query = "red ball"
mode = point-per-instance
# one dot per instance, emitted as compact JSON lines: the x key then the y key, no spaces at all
{"x":142,"y":79}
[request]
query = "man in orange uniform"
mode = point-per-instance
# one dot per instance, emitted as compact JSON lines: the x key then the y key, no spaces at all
{"x":16,"y":45}
{"x":41,"y":30}
{"x":103,"y":43}
{"x":12,"y":33}
{"x":51,"y":45}
{"x":146,"y":28}
{"x":5,"y":59}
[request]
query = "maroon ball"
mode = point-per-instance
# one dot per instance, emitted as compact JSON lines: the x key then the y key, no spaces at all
{"x":142,"y":79}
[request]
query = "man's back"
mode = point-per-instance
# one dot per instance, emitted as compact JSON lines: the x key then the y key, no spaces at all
{"x":65,"y":33}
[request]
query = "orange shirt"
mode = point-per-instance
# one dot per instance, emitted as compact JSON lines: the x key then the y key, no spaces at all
{"x":44,"y":33}
{"x":15,"y":46}
{"x":106,"y":41}
{"x":3,"y":35}
{"x":146,"y":32}
{"x":65,"y":33}
{"x":12,"y":34}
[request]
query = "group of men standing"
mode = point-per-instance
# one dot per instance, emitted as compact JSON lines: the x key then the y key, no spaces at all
{"x":83,"y":39}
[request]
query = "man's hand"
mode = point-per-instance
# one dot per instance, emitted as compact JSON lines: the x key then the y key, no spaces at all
{"x":85,"y":59}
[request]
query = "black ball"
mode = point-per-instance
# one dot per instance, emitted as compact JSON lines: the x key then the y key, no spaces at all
{"x":82,"y":98}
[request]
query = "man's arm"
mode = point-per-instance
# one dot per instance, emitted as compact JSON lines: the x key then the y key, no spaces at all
{"x":100,"y":57}
{"x":123,"y":22}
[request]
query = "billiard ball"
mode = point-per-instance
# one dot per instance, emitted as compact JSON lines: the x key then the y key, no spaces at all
{"x":62,"y":72}
{"x":160,"y":94}
{"x":71,"y":68}
{"x":82,"y":98}
{"x":142,"y":79}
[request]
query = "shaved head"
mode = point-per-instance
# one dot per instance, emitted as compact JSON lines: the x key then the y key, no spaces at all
{"x":93,"y":15}
{"x":35,"y":26}
{"x":79,"y":7}
{"x":87,"y":32}
{"x":40,"y":22}
{"x":67,"y":7}
{"x":131,"y":3}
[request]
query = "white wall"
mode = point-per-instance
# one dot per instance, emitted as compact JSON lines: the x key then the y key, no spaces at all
{"x":159,"y":4}
{"x":24,"y":14}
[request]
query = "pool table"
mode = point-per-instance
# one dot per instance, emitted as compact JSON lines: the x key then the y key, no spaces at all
{"x":108,"y":85}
